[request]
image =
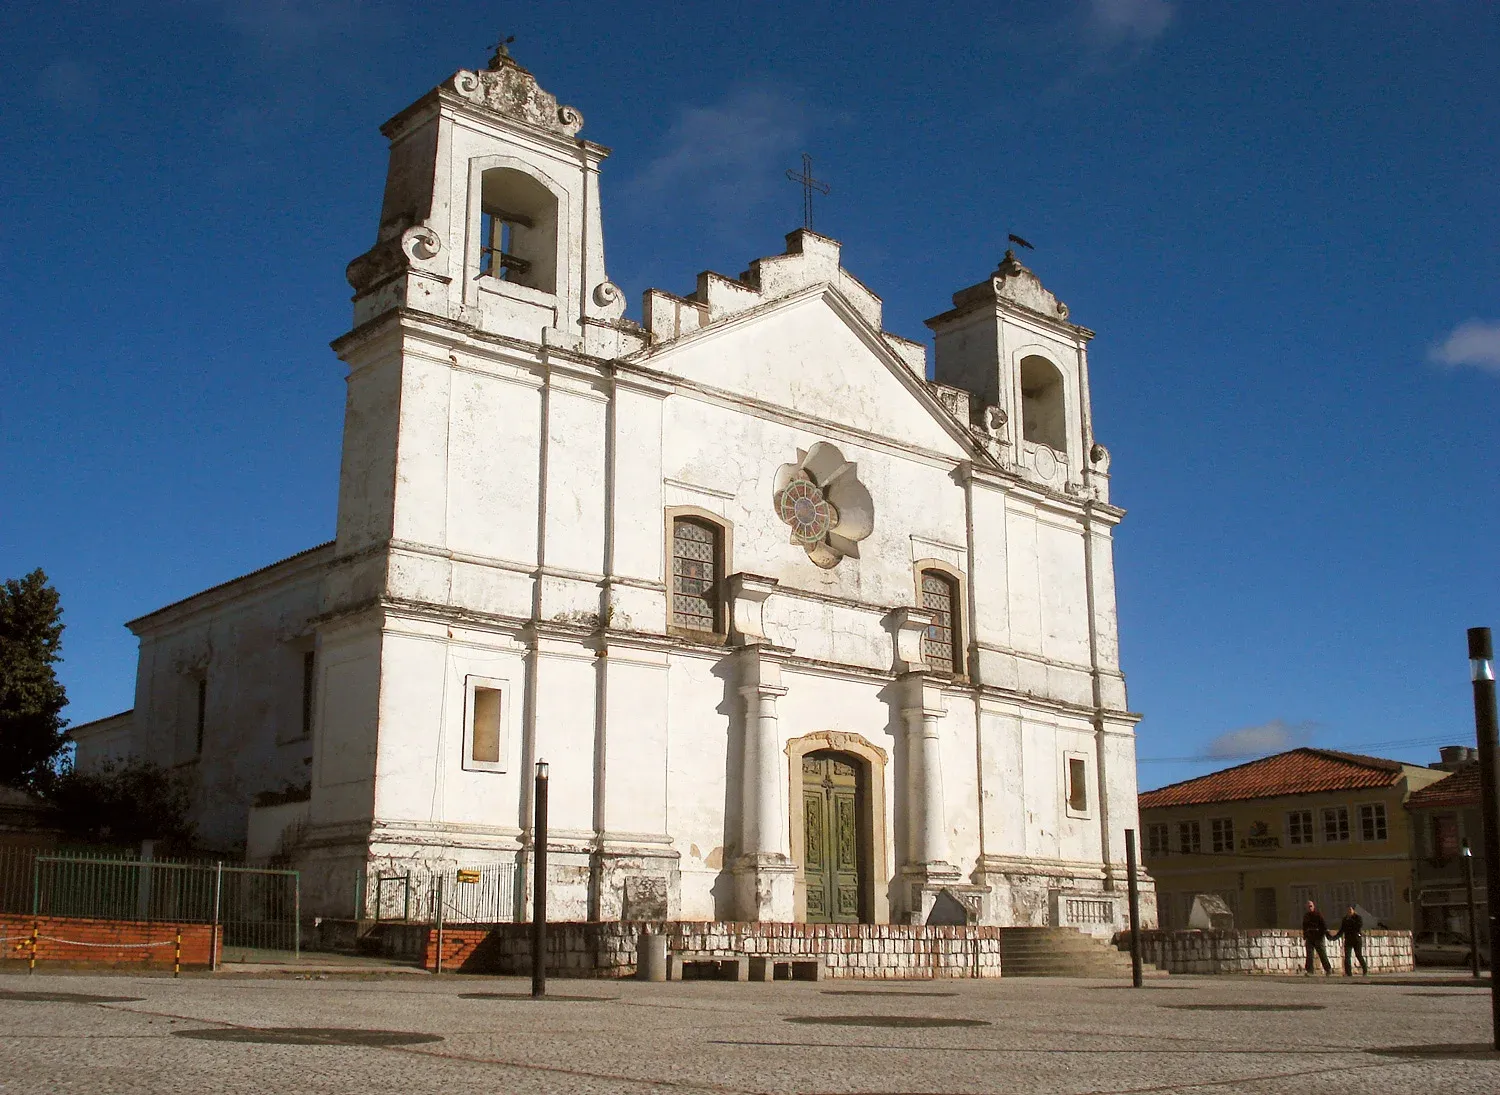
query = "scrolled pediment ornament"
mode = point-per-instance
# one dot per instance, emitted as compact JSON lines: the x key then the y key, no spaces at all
{"x":507,"y":88}
{"x":820,"y":498}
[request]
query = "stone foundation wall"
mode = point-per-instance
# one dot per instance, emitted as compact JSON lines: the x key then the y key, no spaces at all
{"x":1261,"y":950}
{"x":870,"y":951}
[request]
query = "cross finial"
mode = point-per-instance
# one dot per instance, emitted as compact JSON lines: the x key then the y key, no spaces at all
{"x":809,"y":184}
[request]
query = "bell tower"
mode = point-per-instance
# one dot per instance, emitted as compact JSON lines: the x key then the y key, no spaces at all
{"x":491,"y":215}
{"x":1008,"y":342}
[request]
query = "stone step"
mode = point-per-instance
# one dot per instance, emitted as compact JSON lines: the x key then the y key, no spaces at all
{"x":1060,"y":952}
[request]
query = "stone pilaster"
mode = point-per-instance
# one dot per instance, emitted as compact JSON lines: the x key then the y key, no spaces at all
{"x":927,"y":871}
{"x":764,"y":874}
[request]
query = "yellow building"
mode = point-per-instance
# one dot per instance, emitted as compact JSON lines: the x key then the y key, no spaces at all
{"x":1273,"y":834}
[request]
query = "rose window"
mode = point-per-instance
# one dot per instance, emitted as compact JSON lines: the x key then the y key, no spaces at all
{"x":822,"y":500}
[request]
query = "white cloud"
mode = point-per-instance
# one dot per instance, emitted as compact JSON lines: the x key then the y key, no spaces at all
{"x":1476,"y":342}
{"x":1128,"y":22}
{"x":732,"y":153}
{"x":1249,"y":741}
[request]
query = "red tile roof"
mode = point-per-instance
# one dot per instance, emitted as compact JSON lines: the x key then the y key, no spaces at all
{"x":1298,"y":772}
{"x":1459,"y":789}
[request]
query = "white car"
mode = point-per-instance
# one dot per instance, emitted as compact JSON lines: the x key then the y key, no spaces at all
{"x":1443,"y":948}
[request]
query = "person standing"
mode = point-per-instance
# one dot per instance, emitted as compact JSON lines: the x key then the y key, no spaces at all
{"x":1315,"y":936}
{"x":1352,"y":929}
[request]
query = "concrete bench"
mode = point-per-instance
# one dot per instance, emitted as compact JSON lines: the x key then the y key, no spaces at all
{"x":716,"y":967}
{"x":788,"y":968}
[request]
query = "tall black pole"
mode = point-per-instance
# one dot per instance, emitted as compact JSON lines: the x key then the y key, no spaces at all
{"x":539,"y":883}
{"x":1468,"y":858}
{"x":1134,"y":890}
{"x":1482,"y":673}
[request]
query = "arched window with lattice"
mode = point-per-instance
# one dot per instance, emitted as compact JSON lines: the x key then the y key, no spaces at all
{"x":940,"y":646}
{"x":697,"y":575}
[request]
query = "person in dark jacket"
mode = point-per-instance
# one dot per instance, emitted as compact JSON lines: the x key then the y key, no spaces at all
{"x":1352,"y":929}
{"x":1315,"y":936}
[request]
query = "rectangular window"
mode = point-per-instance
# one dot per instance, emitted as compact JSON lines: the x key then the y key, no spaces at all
{"x":1156,"y":839}
{"x":202,"y":715}
{"x":1299,"y":827}
{"x":1301,"y":895}
{"x":309,"y":682}
{"x":696,"y":553}
{"x":1372,"y":821}
{"x":1378,"y":896}
{"x":1078,"y":787}
{"x":1189,"y":837}
{"x":1221,"y":833}
{"x":485,"y":739}
{"x":940,"y":643}
{"x":1444,"y":837}
{"x":1339,"y":896}
{"x":1265,"y":907}
{"x":1336,"y":824}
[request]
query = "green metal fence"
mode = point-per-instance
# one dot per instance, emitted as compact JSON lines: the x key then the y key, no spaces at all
{"x":258,"y":910}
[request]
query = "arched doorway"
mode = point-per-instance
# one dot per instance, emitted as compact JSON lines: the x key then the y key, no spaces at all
{"x":836,"y":856}
{"x":833,"y":756}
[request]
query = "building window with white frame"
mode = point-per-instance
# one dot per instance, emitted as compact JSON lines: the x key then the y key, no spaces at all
{"x":1335,"y":824}
{"x":1372,"y":822}
{"x":1221,"y":834}
{"x":485,"y":744}
{"x":1299,"y":827}
{"x":1189,"y":837}
{"x":1078,"y":785}
{"x":697,"y":562}
{"x":1156,"y":839}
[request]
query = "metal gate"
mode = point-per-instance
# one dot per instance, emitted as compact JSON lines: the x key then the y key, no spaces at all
{"x":258,"y":910}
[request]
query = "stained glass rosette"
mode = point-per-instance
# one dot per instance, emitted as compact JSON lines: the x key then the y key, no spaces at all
{"x":802,"y":506}
{"x":822,"y":501}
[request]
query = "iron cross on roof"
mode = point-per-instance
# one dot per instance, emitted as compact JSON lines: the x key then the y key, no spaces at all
{"x":809,"y":184}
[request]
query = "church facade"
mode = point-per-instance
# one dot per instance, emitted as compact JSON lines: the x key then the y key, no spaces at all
{"x":800,"y":633}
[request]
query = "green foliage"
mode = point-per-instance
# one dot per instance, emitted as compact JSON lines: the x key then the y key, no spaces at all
{"x":31,"y":699}
{"x":123,"y":804}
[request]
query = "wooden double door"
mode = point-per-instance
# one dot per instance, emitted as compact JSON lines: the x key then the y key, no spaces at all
{"x":834,"y":844}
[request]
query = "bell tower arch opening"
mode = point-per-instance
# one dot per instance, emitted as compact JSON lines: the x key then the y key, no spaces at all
{"x":517,"y":230}
{"x":1044,"y":419}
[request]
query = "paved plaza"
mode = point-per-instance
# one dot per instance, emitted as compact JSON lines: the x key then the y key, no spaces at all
{"x":410,"y":1033}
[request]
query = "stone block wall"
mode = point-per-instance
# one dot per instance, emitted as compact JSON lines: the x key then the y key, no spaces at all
{"x":108,"y":944}
{"x":868,"y":951}
{"x":1261,"y":950}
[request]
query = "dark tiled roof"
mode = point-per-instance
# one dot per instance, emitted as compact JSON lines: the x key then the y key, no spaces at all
{"x":1459,"y":789}
{"x":1298,"y":772}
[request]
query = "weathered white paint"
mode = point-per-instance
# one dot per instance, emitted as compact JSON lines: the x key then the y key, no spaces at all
{"x":511,"y":461}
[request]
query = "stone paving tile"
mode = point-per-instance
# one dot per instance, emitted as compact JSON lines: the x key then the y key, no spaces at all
{"x":1183,"y":1034}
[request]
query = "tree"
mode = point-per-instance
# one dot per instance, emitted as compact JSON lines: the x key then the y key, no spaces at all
{"x":123,"y":804}
{"x":31,"y":699}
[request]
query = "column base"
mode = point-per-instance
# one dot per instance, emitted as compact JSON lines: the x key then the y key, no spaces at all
{"x":764,"y":886}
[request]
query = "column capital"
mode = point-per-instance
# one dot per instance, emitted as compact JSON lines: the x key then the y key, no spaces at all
{"x":923,"y":695}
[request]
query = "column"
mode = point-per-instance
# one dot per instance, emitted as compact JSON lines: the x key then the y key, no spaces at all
{"x":764,"y":875}
{"x":926,"y":817}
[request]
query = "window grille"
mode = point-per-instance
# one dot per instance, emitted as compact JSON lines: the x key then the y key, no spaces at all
{"x":695,"y":575}
{"x":939,"y":644}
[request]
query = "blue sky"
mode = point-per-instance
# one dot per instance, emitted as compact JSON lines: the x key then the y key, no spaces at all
{"x":1280,"y":218}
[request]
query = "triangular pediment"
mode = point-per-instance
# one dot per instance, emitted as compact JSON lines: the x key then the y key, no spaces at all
{"x":812,"y":354}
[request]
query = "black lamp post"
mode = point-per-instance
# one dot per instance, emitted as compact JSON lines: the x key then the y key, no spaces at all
{"x":1482,"y":674}
{"x":539,"y":884}
{"x":1468,"y":858}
